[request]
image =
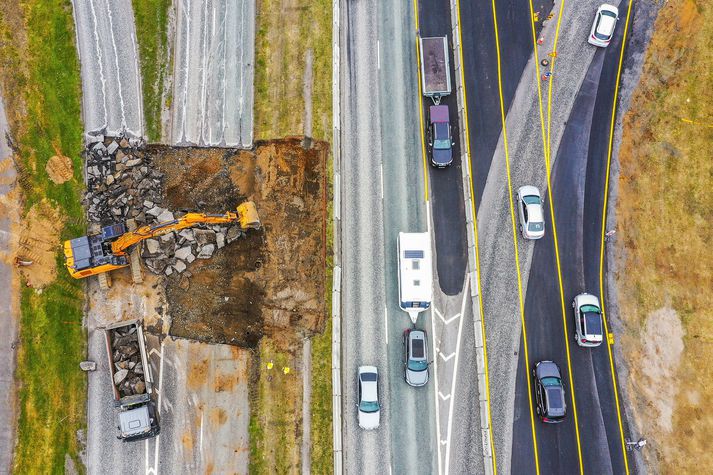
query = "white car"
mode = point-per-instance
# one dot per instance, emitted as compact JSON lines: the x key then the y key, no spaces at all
{"x":368,"y":407}
{"x":529,"y":208}
{"x":588,"y":327}
{"x":603,"y":27}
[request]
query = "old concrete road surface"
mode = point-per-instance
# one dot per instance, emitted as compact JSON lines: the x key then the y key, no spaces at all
{"x":111,"y":82}
{"x":213,"y":73}
{"x":382,"y":193}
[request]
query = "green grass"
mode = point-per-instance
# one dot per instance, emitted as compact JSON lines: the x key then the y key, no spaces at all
{"x":40,"y":74}
{"x":283,"y":37}
{"x":151,"y":17}
{"x":275,"y":414}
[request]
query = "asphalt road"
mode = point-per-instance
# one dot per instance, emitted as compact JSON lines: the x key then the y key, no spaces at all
{"x":480,"y":64}
{"x":8,"y":314}
{"x":578,"y":184}
{"x":382,"y":193}
{"x":213,"y":73}
{"x":446,"y":184}
{"x":111,"y":82}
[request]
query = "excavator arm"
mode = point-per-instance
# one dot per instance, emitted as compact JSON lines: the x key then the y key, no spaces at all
{"x":245,"y":215}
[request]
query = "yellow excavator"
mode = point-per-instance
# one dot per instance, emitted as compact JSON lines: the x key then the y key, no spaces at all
{"x":98,"y":253}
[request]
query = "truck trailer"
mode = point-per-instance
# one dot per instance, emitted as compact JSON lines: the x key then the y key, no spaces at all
{"x":435,"y":68}
{"x":131,"y":381}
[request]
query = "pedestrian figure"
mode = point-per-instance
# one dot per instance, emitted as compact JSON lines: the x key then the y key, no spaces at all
{"x":609,"y":234}
{"x":638,"y":445}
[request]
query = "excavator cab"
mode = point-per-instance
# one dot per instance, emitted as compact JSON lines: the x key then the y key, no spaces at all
{"x":247,"y":214}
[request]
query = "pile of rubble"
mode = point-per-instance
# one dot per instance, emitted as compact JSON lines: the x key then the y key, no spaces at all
{"x":122,"y":184}
{"x":129,"y":375}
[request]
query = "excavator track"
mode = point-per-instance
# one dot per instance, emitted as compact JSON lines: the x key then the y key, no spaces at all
{"x":137,"y":273}
{"x":104,"y":281}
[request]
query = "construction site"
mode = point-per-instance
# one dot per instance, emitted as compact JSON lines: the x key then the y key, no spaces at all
{"x":218,"y":283}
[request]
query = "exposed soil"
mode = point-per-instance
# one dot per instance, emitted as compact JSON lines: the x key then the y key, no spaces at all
{"x":59,"y":168}
{"x":272,"y":281}
{"x":39,"y":241}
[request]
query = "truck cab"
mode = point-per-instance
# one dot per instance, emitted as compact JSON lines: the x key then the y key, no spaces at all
{"x":440,"y":139}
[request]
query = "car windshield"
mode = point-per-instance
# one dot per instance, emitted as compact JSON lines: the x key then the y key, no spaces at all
{"x":368,"y":406}
{"x":417,"y":365}
{"x":531,"y":200}
{"x":593,"y":323}
{"x":551,"y":381}
{"x":441,"y":140}
{"x":533,"y":227}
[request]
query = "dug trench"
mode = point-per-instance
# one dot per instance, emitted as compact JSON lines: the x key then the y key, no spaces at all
{"x":268,"y":282}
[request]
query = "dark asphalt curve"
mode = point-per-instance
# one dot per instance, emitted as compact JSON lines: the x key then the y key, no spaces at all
{"x":480,"y":64}
{"x":578,"y":184}
{"x":446,"y":184}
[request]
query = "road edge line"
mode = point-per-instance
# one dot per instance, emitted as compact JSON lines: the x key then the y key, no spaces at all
{"x":486,"y":425}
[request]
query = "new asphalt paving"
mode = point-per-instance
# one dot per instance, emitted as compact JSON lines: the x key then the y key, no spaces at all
{"x":111,"y":82}
{"x":213,"y":73}
{"x":578,"y":184}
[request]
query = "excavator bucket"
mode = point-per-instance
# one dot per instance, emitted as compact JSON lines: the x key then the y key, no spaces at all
{"x":247,"y":214}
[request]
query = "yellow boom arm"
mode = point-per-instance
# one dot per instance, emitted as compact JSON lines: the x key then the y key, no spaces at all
{"x":246,"y":216}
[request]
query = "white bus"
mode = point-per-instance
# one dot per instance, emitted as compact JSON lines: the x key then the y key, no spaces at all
{"x":415,"y":273}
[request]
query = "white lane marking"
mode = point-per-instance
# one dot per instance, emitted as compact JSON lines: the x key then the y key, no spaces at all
{"x":446,"y":322}
{"x":435,"y":387}
{"x":100,"y":63}
{"x":204,"y":71}
{"x":200,"y":444}
{"x":455,"y":374}
{"x":381,"y":173}
{"x":444,"y":397}
{"x":378,"y":55}
{"x":154,"y":470}
{"x":444,"y":442}
{"x":116,"y":64}
{"x":446,"y":358}
{"x":386,"y":325}
{"x":435,"y":310}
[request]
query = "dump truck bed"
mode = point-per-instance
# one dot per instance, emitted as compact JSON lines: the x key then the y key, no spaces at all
{"x":435,"y":67}
{"x":128,"y":360}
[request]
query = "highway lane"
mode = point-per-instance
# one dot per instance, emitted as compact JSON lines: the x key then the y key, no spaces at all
{"x":446,"y":185}
{"x":578,"y":184}
{"x":111,"y":84}
{"x":481,"y":71}
{"x":213,"y":73}
{"x":382,"y":194}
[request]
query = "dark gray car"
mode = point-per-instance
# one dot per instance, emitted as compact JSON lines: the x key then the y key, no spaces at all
{"x":415,"y":357}
{"x":549,"y":392}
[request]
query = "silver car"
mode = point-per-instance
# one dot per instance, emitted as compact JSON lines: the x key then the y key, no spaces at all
{"x":415,"y":357}
{"x":368,"y":407}
{"x":529,"y":208}
{"x":588,"y":328}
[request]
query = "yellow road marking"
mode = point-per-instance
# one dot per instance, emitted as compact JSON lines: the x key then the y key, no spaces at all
{"x":601,"y":250}
{"x":477,"y":248}
{"x":420,"y":103}
{"x":514,"y":238}
{"x":546,"y":145}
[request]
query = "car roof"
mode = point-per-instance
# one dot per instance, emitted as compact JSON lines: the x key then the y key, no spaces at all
{"x":417,"y":340}
{"x":534,"y":213}
{"x":606,"y":25}
{"x":555,"y":401}
{"x":438,"y":114}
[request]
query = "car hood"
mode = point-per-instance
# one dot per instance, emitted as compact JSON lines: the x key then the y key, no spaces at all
{"x":587,"y":299}
{"x":547,"y":369}
{"x":416,"y":378}
{"x":369,"y":420}
{"x":442,"y":156}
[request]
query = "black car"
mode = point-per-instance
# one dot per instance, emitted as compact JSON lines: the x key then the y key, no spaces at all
{"x":549,"y":392}
{"x":440,"y":141}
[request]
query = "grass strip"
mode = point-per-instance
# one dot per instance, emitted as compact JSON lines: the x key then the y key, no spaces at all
{"x":41,"y":85}
{"x":151,"y":18}
{"x":284,"y":34}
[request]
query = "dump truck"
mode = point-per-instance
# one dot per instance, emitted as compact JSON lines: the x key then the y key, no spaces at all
{"x":435,"y":68}
{"x":131,"y":381}
{"x":96,"y":254}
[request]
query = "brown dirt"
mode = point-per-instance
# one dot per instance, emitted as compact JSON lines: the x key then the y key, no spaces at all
{"x":272,"y":280}
{"x":59,"y":168}
{"x":39,"y":241}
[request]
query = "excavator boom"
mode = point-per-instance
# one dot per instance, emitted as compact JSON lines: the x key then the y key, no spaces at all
{"x":90,"y":255}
